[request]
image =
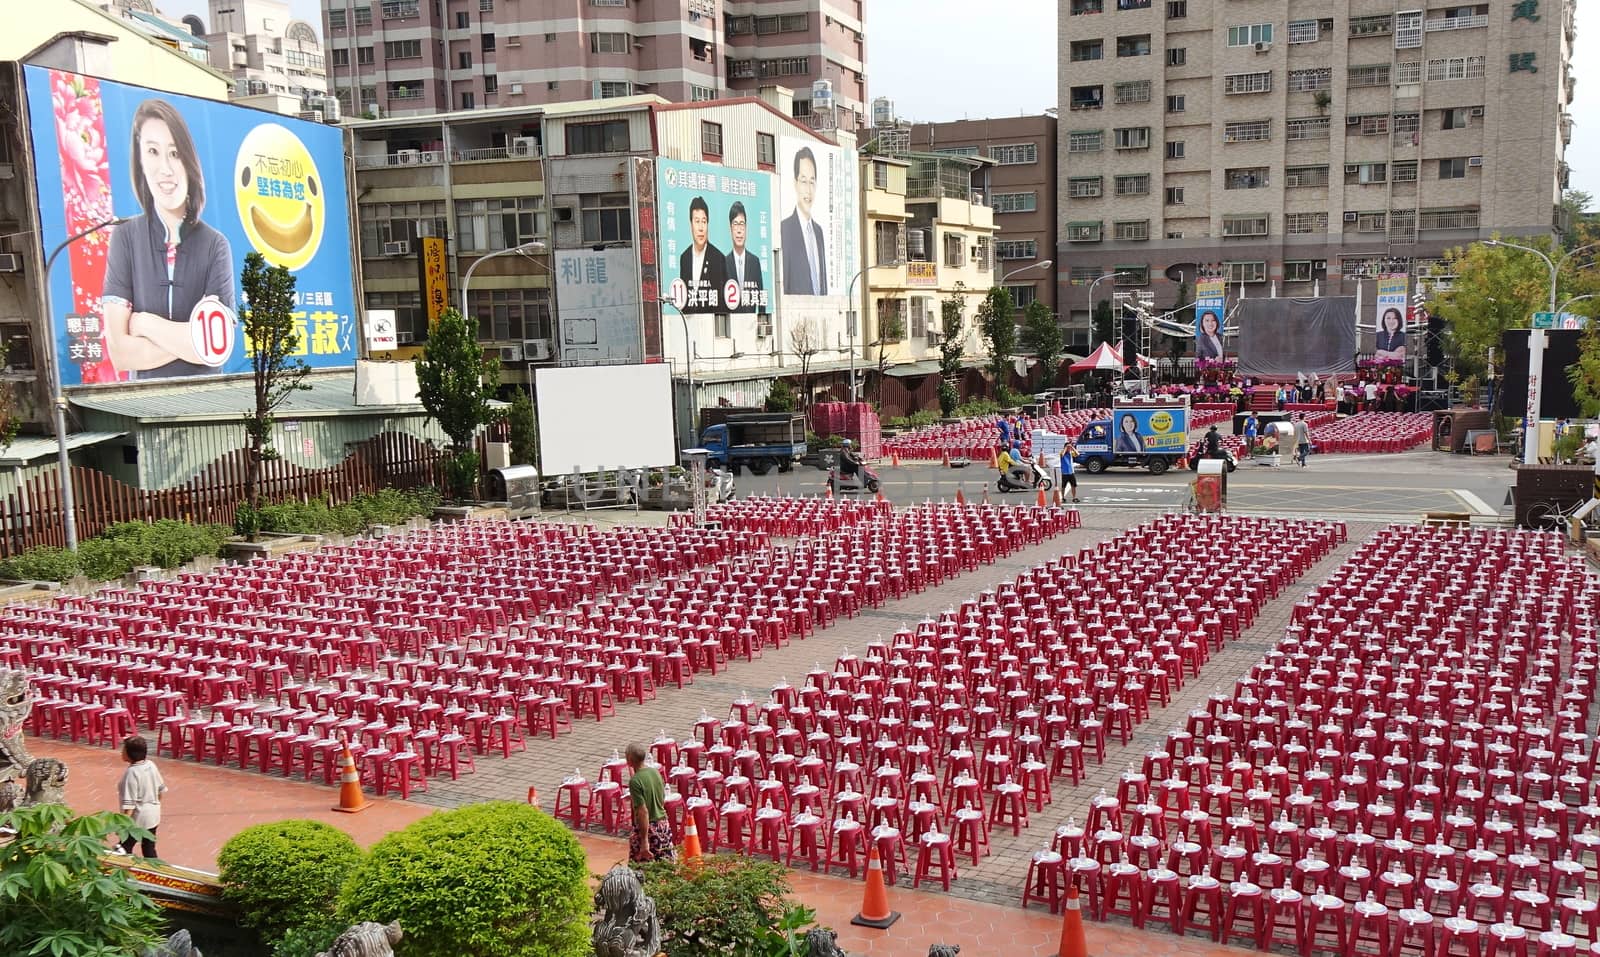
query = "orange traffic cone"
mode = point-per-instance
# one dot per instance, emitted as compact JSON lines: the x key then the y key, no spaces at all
{"x":994,"y":459}
{"x":351,"y":799}
{"x":1056,"y":498}
{"x":880,"y":495}
{"x":533,"y":796}
{"x":894,"y":458}
{"x":875,"y":910}
{"x":1042,"y":501}
{"x":1183,"y":462}
{"x":691,"y":840}
{"x":944,"y":458}
{"x":1072,"y":943}
{"x":960,"y":498}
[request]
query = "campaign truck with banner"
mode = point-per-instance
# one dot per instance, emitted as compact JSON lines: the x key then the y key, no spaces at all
{"x":156,"y":199}
{"x":716,"y":237}
{"x":1152,"y":435}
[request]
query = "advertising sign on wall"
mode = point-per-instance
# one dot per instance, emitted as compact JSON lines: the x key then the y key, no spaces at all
{"x":197,"y":186}
{"x":817,"y":230}
{"x":642,"y":186}
{"x":716,"y":237}
{"x":598,"y":295}
{"x":922,"y":274}
{"x":1390,"y":317}
{"x":433,"y":268}
{"x":1209,"y":310}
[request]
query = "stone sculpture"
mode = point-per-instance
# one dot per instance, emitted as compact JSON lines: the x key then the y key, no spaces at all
{"x":822,"y":942}
{"x":16,"y":703}
{"x":178,"y":945}
{"x":627,"y":925}
{"x":943,"y":950}
{"x":366,"y":939}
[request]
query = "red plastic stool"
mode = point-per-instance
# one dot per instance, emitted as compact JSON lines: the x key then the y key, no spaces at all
{"x":935,"y":852}
{"x":1122,"y":881}
{"x":1369,"y":923}
{"x":1046,"y":877}
{"x":1245,"y":902}
{"x":1163,"y":888}
{"x":1285,"y":912}
{"x":575,"y":792}
{"x":1203,"y":889}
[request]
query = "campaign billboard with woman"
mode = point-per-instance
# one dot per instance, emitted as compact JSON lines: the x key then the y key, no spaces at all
{"x":159,"y":197}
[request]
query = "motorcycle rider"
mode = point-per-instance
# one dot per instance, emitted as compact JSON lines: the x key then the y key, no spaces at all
{"x":849,"y":461}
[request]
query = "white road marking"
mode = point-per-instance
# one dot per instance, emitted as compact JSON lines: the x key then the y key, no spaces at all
{"x":1474,"y":502}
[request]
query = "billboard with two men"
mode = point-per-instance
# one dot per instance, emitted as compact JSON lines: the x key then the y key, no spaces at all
{"x":716,"y":237}
{"x":159,"y":197}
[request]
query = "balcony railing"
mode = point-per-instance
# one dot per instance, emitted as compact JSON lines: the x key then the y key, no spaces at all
{"x":1463,"y":220}
{"x":405,"y":93}
{"x":401,"y":158}
{"x":1458,"y":23}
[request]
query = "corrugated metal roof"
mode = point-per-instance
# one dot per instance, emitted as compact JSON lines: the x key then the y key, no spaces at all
{"x":31,"y":448}
{"x":330,"y":394}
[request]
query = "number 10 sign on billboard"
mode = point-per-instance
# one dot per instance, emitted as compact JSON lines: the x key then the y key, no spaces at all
{"x":169,"y":193}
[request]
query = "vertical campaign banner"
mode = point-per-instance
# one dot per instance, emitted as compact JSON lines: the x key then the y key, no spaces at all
{"x":819,"y":229}
{"x":433,"y":273}
{"x":715,"y":237}
{"x":1210,"y":305}
{"x":598,"y":295}
{"x":162,"y":196}
{"x":1389,"y":317}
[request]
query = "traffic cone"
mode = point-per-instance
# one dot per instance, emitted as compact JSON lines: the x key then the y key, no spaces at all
{"x":986,"y":495}
{"x":1056,"y":498}
{"x":351,"y":799}
{"x":880,"y":495}
{"x":1072,"y":943}
{"x":691,"y":840}
{"x":533,"y":796}
{"x":960,"y":498}
{"x":894,"y":458}
{"x":1041,"y":501}
{"x":1183,"y":462}
{"x":994,"y":459}
{"x":944,"y":458}
{"x":875,"y":910}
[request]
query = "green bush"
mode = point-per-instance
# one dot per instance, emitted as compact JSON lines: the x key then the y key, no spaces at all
{"x":1009,"y":399}
{"x":781,"y":397}
{"x":491,"y":880}
{"x":167,"y":543}
{"x":976,"y":407}
{"x":104,"y":559}
{"x":307,"y":941}
{"x":286,"y":874}
{"x":461,"y":475}
{"x":724,"y":904}
{"x":915,"y":420}
{"x":386,"y":507}
{"x":44,"y":564}
{"x":949,"y":398}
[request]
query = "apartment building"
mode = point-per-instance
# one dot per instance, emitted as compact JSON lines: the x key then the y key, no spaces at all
{"x":929,"y":237}
{"x":414,"y":57}
{"x":1302,"y":145}
{"x":267,"y":51}
{"x":1020,"y":188}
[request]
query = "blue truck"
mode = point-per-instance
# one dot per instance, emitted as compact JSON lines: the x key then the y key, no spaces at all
{"x":759,"y":441}
{"x":1151,"y":435}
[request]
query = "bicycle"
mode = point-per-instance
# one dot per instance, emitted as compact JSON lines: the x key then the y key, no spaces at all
{"x":1552,"y":516}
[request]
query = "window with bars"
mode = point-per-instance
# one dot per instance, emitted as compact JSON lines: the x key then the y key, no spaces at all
{"x":1371,"y":26}
{"x":1133,"y":184}
{"x":1132,"y":230}
{"x":1014,"y":202}
{"x":1301,"y":224}
{"x":1249,"y":177}
{"x":1247,"y":131}
{"x":1407,"y":122}
{"x":1374,"y":75}
{"x":1085,"y":141}
{"x":1083,"y":274}
{"x":886,"y":242}
{"x":1403,"y":171}
{"x":1084,"y":187}
{"x":1408,"y":29}
{"x":1131,"y":274}
{"x":1017,"y":249}
{"x":1247,"y":225}
{"x":1372,"y":222}
{"x":1408,"y":71}
{"x":1371,"y":125}
{"x":1083,"y":232}
{"x":1307,"y":128}
{"x":1135,"y":91}
{"x":1131,"y":138}
{"x":1456,"y":68}
{"x":921,"y":313}
{"x":1309,"y":81}
{"x":1016,"y":154}
{"x":1304,"y":31}
{"x":1448,"y":219}
{"x":1237,"y":272}
{"x":1238,"y":83}
{"x":1305,"y":177}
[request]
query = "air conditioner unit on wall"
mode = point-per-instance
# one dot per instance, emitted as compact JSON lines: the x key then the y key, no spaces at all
{"x":563,"y":214}
{"x":407,"y":157}
{"x":10,"y":262}
{"x":1474,"y":161}
{"x":536,"y":350}
{"x":400,"y":247}
{"x":429,"y":156}
{"x":1351,"y":217}
{"x":1263,"y":47}
{"x":525,"y":146}
{"x":1475,"y":111}
{"x":510,"y":353}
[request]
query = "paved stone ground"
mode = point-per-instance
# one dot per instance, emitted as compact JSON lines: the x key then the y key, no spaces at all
{"x":999,"y":877}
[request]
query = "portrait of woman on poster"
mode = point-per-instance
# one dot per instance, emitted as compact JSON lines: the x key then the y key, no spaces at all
{"x":1391,"y":342}
{"x":164,"y":261}
{"x":1208,"y":344}
{"x":1129,"y":441}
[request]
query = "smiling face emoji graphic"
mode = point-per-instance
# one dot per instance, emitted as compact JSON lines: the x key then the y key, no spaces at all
{"x":280,"y":196}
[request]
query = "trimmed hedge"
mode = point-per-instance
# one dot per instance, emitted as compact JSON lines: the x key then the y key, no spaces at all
{"x":167,"y":543}
{"x":286,"y":875}
{"x":491,"y":880}
{"x":386,"y":507}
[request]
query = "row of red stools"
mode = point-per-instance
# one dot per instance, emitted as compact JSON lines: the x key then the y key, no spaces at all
{"x":1375,"y":432}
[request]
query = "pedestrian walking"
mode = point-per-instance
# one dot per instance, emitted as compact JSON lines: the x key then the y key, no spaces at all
{"x":1302,"y":439}
{"x":1252,"y":428}
{"x":1069,"y":468}
{"x":139,"y":793}
{"x":651,"y":838}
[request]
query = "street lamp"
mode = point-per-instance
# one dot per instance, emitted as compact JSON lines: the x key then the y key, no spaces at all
{"x":58,"y":401}
{"x":850,"y":316}
{"x":1096,"y":282}
{"x":1574,"y":299}
{"x":1046,"y":264}
{"x":1536,"y":340}
{"x":531,"y":246}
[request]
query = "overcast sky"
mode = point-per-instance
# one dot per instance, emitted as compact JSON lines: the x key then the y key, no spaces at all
{"x":950,"y":59}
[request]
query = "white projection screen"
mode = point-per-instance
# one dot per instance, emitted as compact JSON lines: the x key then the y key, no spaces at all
{"x":593,"y":417}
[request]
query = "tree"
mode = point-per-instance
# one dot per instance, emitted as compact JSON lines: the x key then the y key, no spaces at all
{"x":952,"y":346}
{"x":805,"y":342}
{"x":456,"y":380}
{"x":1585,"y":373}
{"x":999,"y":330}
{"x":780,"y":396}
{"x":1042,"y":334}
{"x":1102,"y":322}
{"x":272,"y":339}
{"x":1496,"y":289}
{"x":1575,"y":207}
{"x":57,"y":898}
{"x":891,"y":329}
{"x":524,"y":429}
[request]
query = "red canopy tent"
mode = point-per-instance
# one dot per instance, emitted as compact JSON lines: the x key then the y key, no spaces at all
{"x":1104,"y":358}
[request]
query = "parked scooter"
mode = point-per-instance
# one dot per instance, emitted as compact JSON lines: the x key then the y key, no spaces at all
{"x":1025,"y":475}
{"x":864,"y":478}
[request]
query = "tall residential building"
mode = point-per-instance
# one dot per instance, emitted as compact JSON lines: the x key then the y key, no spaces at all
{"x":266,"y":50}
{"x":1306,"y":144}
{"x":415,"y":57}
{"x":1020,"y":187}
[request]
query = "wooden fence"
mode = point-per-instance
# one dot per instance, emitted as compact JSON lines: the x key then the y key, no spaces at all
{"x":33,"y":515}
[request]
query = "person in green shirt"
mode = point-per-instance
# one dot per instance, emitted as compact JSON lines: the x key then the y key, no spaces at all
{"x":651,"y":838}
